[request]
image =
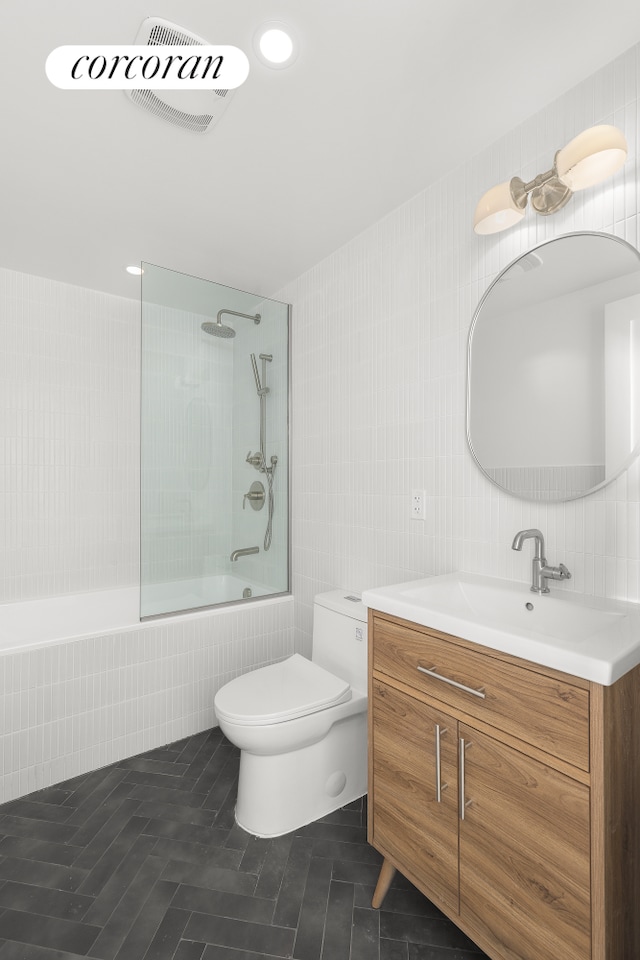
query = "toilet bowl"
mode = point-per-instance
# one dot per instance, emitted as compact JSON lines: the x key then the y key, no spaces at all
{"x":301,"y":725}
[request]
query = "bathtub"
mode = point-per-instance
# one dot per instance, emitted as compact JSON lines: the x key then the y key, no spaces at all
{"x":84,"y":683}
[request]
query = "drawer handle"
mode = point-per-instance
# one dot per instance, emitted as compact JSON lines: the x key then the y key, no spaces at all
{"x":454,"y":683}
{"x":462,"y":746}
{"x":440,"y":786}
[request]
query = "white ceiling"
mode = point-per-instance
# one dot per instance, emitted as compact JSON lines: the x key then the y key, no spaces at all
{"x":382,"y":100}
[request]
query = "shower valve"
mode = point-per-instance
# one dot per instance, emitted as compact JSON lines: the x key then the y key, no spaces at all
{"x":255,"y":460}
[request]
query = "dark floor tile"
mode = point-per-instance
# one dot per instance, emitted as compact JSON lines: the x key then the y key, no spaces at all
{"x":187,"y":950}
{"x":180,"y":798}
{"x":47,"y":931}
{"x":147,"y":922}
{"x":310,"y":932}
{"x":339,"y":850}
{"x":20,"y":951}
{"x":213,"y":952}
{"x":289,"y":902}
{"x":149,"y":765}
{"x":224,"y":785}
{"x":215,"y":766}
{"x":210,"y":877}
{"x":353,"y":872}
{"x":37,"y":811}
{"x":273,"y":868}
{"x":192,"y":746}
{"x":337,"y":930}
{"x":421,"y":952}
{"x":396,"y":950}
{"x":36,"y":829}
{"x":345,"y":817}
{"x":365,"y":935}
{"x":126,"y":912}
{"x":237,"y":838}
{"x":411,"y":901}
{"x":46,"y":850}
{"x":42,"y":874}
{"x":363,"y":895}
{"x":161,"y":780}
{"x":190,"y":832}
{"x":167,"y":936}
{"x":143,"y":860}
{"x":170,"y":811}
{"x":430,"y":932}
{"x":255,"y":854}
{"x":322,"y":830}
{"x":222,"y":904}
{"x":57,"y":794}
{"x":103,"y":821}
{"x":114,"y":885}
{"x":241,"y":935}
{"x":127,"y":843}
{"x":94,"y":792}
{"x":44,"y":901}
{"x":197,"y":853}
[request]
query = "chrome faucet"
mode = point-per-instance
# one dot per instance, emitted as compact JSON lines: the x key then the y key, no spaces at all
{"x":540,"y":572}
{"x":244,"y":552}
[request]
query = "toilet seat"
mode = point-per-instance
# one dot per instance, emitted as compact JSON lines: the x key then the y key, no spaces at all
{"x":282,"y":691}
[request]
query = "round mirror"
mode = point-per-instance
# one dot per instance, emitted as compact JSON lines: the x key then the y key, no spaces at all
{"x":553,"y":386}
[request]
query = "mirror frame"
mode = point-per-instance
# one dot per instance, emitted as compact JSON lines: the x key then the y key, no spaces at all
{"x":636,"y":450}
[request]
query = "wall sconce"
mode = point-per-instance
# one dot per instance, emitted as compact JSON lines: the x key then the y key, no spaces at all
{"x":592,"y":156}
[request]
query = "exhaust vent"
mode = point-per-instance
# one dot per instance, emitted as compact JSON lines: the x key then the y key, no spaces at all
{"x":193,"y":110}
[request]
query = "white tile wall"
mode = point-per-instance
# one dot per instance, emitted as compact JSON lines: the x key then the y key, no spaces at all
{"x":76,"y":706}
{"x":379,"y":357}
{"x":69,"y":438}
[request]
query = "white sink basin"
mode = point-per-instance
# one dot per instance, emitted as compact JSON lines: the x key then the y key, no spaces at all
{"x":594,"y":639}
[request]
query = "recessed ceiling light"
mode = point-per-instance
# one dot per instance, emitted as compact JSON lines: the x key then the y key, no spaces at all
{"x":134,"y":270}
{"x":276,"y":45}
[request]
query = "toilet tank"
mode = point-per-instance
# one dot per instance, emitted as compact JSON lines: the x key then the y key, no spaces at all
{"x":340,"y":636}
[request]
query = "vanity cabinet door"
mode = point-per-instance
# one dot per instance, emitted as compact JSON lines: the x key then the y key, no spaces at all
{"x":524,"y":853}
{"x":414,"y":790}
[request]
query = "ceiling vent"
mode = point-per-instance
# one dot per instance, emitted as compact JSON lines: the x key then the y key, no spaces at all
{"x":196,"y":110}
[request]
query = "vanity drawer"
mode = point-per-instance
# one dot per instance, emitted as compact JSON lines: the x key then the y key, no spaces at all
{"x":541,"y":710}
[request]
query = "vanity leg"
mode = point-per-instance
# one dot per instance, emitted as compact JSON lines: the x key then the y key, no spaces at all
{"x":387,"y":873}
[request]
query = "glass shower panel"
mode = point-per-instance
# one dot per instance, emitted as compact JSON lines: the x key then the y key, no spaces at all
{"x":214,"y":444}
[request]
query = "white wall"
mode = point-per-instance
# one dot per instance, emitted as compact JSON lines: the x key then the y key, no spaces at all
{"x":379,"y":358}
{"x":69,"y":429}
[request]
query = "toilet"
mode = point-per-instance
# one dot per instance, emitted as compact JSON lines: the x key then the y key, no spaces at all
{"x":301,"y":725}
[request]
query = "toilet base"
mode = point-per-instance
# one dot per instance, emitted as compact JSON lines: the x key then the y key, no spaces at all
{"x":278,"y":794}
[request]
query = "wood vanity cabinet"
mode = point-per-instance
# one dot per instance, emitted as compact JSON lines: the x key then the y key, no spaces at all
{"x":509,"y":793}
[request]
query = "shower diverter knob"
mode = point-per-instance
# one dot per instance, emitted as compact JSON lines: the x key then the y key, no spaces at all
{"x":255,"y":496}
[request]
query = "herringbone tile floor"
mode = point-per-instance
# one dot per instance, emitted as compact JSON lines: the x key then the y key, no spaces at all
{"x":142,"y":861}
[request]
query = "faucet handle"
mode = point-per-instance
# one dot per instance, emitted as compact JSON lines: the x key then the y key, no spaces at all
{"x":556,"y":573}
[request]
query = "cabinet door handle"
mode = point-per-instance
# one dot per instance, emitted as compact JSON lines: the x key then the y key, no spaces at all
{"x":463,"y":745}
{"x":454,"y":683}
{"x":440,"y":786}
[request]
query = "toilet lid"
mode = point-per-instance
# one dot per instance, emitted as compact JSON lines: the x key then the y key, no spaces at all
{"x":282,"y":691}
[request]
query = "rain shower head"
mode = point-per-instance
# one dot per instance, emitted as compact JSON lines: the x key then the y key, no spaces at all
{"x":219,"y":329}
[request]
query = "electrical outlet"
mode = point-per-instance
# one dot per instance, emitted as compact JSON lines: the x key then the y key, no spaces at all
{"x":417,"y":504}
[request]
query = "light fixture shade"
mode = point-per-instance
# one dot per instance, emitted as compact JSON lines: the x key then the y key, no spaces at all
{"x":592,"y":156}
{"x":497,"y":210}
